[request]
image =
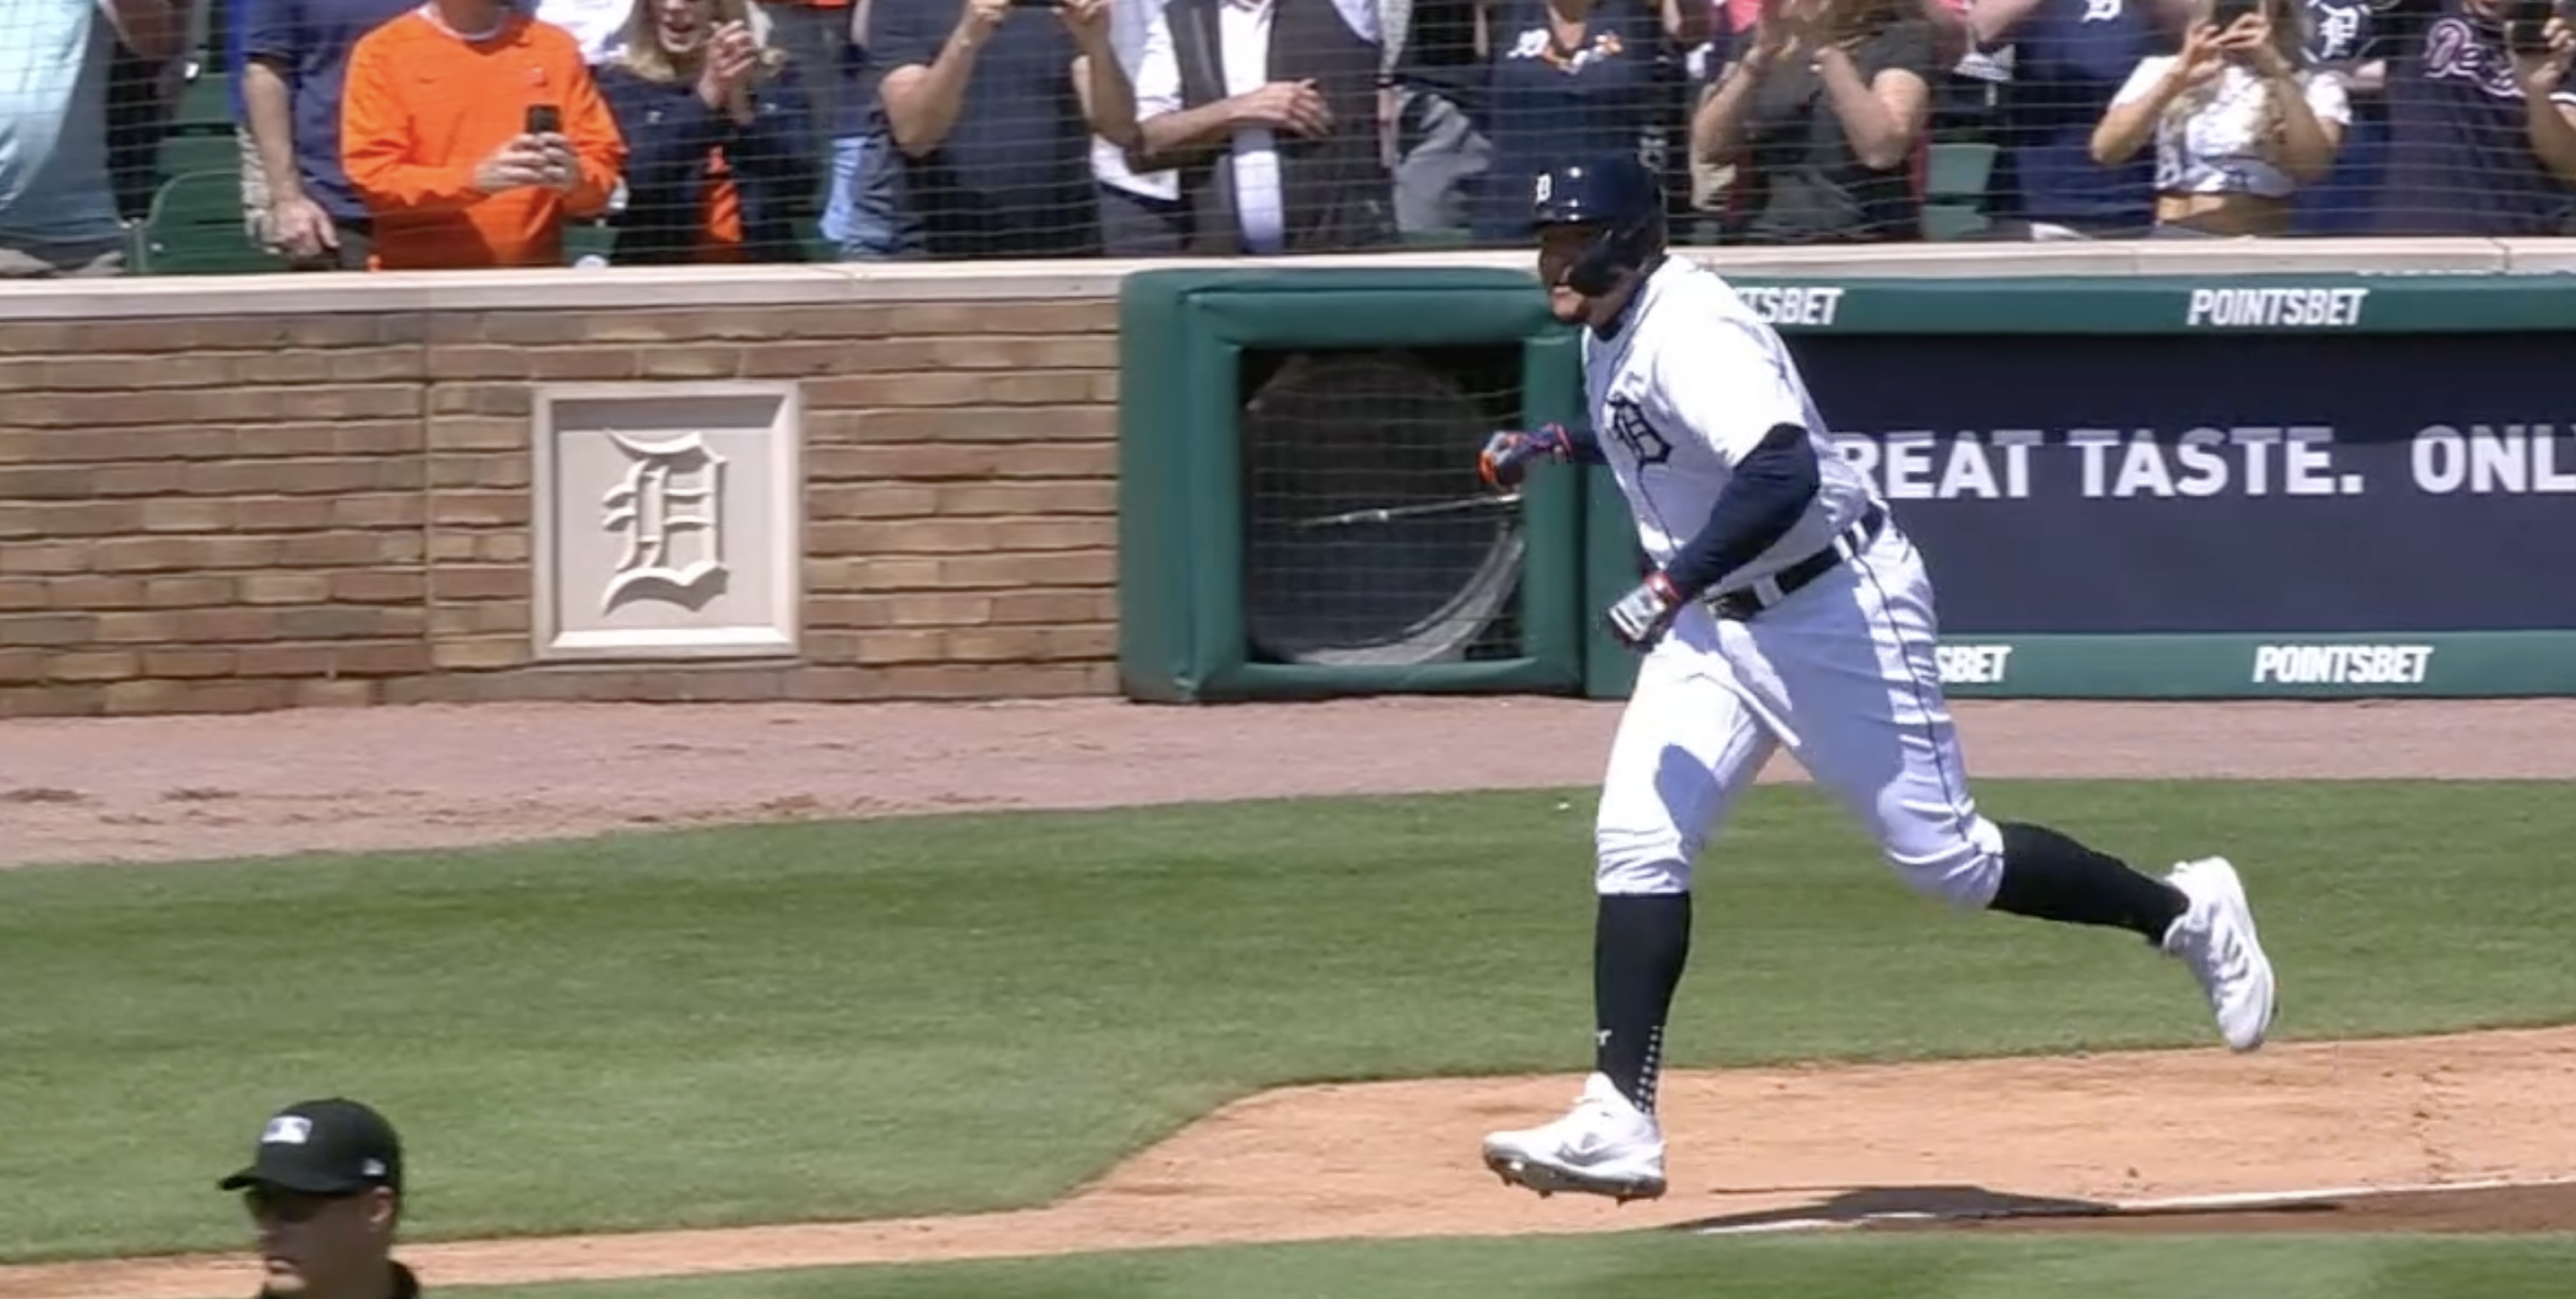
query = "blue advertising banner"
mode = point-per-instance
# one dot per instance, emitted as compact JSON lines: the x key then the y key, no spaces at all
{"x":2244,"y":484}
{"x":2263,"y":486}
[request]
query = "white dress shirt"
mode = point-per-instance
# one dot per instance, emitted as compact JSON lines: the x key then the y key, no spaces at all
{"x":1243,"y":42}
{"x":1129,"y":23}
{"x":600,"y":25}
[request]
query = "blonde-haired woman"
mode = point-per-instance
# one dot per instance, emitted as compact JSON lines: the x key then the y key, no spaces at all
{"x":2239,"y":125}
{"x":721,"y":163}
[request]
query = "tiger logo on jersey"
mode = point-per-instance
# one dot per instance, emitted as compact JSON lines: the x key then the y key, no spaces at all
{"x":1628,"y":424}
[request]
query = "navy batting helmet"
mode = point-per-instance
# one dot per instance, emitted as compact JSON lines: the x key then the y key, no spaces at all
{"x":1614,"y":193}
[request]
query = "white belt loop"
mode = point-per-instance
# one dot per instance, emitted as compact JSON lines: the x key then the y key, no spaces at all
{"x":1767,"y":591}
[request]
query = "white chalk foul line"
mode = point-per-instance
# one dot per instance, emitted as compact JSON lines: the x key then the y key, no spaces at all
{"x":2116,"y":1208}
{"x":2253,"y":1199}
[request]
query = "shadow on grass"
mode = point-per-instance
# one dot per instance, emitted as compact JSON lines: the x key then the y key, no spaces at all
{"x":1895,"y":1206}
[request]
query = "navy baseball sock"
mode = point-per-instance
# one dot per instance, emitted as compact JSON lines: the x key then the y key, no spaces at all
{"x":2049,"y":876}
{"x":1640,"y":942}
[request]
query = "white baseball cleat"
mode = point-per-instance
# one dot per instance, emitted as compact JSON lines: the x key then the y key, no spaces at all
{"x":1605,"y":1146}
{"x":2216,"y":939}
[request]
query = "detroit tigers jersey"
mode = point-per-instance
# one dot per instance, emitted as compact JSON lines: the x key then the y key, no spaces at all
{"x":1687,"y":390}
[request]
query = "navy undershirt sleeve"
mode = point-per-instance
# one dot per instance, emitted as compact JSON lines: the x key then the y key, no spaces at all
{"x":1765,"y":497}
{"x":1581,"y":446}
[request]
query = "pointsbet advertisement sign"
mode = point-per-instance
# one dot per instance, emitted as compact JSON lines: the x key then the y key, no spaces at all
{"x":2210,"y":490}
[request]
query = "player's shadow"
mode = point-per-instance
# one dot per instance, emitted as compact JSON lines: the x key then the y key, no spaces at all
{"x":1896,"y":1205}
{"x":1864,"y":1203}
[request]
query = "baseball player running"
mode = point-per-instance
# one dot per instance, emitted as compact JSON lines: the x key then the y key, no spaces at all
{"x":1785,"y":609}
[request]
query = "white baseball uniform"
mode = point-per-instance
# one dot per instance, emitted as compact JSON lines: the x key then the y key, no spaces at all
{"x":1840,"y":672}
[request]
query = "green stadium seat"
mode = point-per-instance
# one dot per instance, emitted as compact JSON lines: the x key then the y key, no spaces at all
{"x":1957,"y":172}
{"x":1954,"y":189}
{"x":201,"y":135}
{"x":195,"y":228}
{"x":588,"y":239}
{"x":183,"y":154}
{"x":1952,"y":221}
{"x":205,"y":103}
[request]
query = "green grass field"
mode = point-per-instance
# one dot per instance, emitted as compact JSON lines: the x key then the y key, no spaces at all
{"x":1667,"y":1266}
{"x":948,"y":1014}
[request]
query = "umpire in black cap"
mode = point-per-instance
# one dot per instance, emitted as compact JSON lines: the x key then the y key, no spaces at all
{"x":324,"y":1188}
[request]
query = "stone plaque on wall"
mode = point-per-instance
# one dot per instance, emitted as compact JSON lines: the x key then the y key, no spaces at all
{"x":666,"y":520}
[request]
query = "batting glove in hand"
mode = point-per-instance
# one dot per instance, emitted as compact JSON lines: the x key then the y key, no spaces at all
{"x":1642,"y":616}
{"x":1508,"y":453}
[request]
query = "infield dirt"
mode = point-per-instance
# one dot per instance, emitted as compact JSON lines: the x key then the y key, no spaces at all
{"x":1953,"y":1143}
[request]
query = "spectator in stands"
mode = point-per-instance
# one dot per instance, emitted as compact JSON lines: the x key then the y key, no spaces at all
{"x":2069,"y":57}
{"x":1567,"y":80}
{"x":993,"y":107}
{"x":437,"y":137}
{"x":867,"y":215}
{"x":142,"y":93}
{"x":58,"y":206}
{"x":2238,"y":123}
{"x":720,"y":159}
{"x":1436,"y":112}
{"x":1141,"y":213}
{"x":2482,"y":140}
{"x":2350,"y":39}
{"x":816,"y":36}
{"x":1823,"y":117}
{"x":294,"y":66}
{"x":1269,"y":110}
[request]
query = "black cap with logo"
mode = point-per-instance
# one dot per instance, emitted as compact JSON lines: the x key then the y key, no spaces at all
{"x":324,"y":1147}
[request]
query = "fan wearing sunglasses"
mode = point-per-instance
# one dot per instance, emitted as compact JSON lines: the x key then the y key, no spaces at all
{"x":324,"y":1191}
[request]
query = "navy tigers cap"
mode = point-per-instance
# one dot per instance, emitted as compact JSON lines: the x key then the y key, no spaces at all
{"x":324,"y":1147}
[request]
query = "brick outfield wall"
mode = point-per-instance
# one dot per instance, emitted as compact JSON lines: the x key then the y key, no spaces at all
{"x":226,"y":514}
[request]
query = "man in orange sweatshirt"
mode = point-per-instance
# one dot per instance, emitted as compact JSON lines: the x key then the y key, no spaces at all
{"x":439,"y":139}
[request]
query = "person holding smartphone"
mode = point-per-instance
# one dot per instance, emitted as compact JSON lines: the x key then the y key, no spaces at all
{"x":2238,"y":121}
{"x":472,"y":131}
{"x":992,"y":105}
{"x":2482,"y":124}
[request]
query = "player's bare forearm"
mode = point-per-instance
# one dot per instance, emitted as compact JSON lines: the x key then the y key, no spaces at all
{"x":1717,"y":128}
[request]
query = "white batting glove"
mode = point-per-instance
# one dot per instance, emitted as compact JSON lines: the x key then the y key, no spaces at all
{"x":1642,"y":616}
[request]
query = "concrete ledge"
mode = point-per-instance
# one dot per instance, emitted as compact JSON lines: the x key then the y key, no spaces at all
{"x":862,"y":283}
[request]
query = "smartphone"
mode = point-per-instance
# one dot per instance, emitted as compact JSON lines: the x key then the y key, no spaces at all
{"x":2526,"y":26}
{"x":545,"y":119}
{"x":2224,"y":13}
{"x":1037,"y":4}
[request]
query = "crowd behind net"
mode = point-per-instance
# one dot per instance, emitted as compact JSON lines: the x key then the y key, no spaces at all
{"x":205,"y":136}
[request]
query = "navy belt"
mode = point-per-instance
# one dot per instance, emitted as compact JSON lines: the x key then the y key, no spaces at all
{"x":1738,"y":606}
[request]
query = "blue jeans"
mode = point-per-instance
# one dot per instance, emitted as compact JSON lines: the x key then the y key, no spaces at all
{"x":868,"y":217}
